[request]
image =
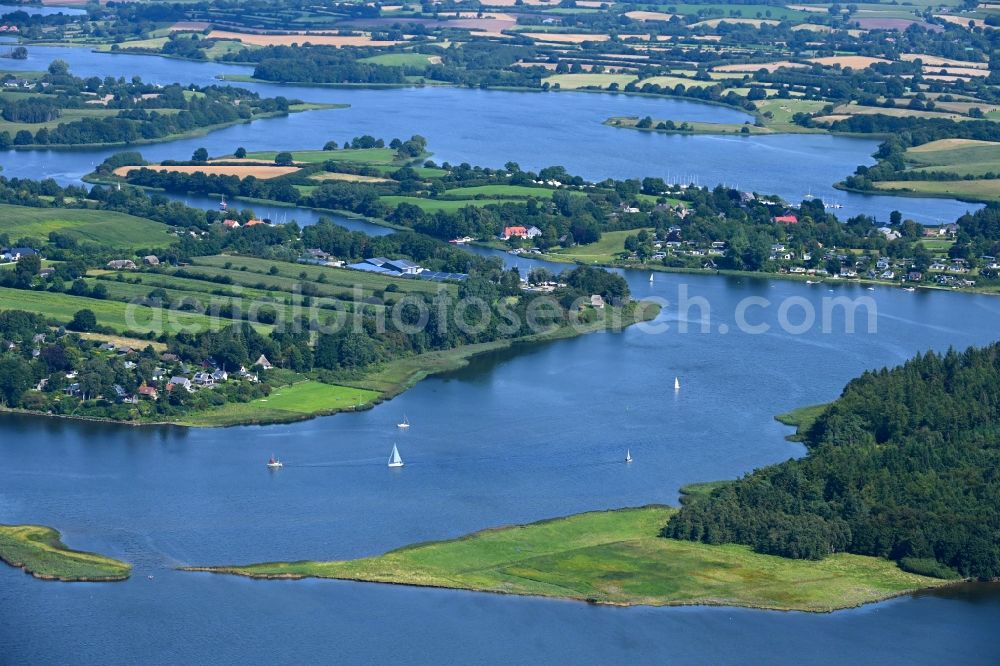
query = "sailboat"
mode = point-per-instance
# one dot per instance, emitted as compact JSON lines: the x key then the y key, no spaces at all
{"x":628,"y":455}
{"x":222,"y":204}
{"x":677,"y":384}
{"x":394,"y":459}
{"x":651,"y":278}
{"x":274,"y":463}
{"x":404,"y":424}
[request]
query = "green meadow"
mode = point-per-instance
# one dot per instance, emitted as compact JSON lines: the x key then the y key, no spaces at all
{"x":97,"y":226}
{"x":616,"y":557}
{"x":359,"y":156}
{"x":289,"y":403}
{"x":39,"y":551}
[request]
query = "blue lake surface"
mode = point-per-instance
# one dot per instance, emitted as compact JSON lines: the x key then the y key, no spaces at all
{"x":517,"y":436}
{"x":490,"y":128}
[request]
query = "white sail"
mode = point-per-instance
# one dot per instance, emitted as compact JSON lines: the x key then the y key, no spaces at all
{"x":650,"y":277}
{"x":677,"y":384}
{"x":628,"y":455}
{"x":405,"y":423}
{"x":394,"y":459}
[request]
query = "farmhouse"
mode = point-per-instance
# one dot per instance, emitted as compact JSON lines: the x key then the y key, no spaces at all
{"x":15,"y":253}
{"x":786,"y":219}
{"x":514,"y":232}
{"x":122,"y":265}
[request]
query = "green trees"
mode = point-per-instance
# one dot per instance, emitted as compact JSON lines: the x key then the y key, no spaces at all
{"x":84,"y":321}
{"x":901,"y":466}
{"x":200,"y":155}
{"x":284,"y":158}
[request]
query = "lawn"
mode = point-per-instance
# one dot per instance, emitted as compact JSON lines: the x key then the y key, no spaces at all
{"x":39,"y":551}
{"x":98,"y":226}
{"x":617,"y":557}
{"x":604,"y":251}
{"x":289,"y":403}
{"x":361,"y":156}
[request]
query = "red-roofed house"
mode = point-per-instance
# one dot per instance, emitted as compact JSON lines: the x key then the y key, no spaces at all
{"x":231,"y":224}
{"x":519,"y":232}
{"x":148,"y":392}
{"x":254,"y":223}
{"x":786,"y":219}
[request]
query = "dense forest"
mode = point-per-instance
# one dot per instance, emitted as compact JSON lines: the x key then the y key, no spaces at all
{"x":904,"y":465}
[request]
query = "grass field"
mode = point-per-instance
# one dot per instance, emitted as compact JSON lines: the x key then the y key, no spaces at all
{"x":334,"y":277}
{"x":120,"y":317}
{"x":434,"y":205}
{"x":39,"y":551}
{"x":512,"y":191}
{"x":617,"y":557}
{"x":364,"y":156}
{"x":66,"y":116}
{"x":98,"y":226}
{"x":287,"y":40}
{"x":961,"y":156}
{"x":969,"y":190}
{"x":674,"y":81}
{"x":604,"y":251}
{"x":288,"y":403}
{"x":415,"y":60}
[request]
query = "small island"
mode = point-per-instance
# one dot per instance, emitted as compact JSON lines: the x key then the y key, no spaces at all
{"x":40,"y":552}
{"x":818,"y":533}
{"x":616,"y":558}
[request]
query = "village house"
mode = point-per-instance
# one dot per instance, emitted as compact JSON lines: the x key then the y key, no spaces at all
{"x":183,"y":382}
{"x":262,"y":362}
{"x":149,"y":392}
{"x":514,"y":232}
{"x":204,"y":379}
{"x":231,"y":224}
{"x":151,"y":260}
{"x":122,"y":265}
{"x":597,"y":301}
{"x":788,"y":218}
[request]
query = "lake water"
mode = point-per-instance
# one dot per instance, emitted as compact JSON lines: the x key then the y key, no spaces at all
{"x":490,"y":128}
{"x":39,"y":10}
{"x":517,"y":436}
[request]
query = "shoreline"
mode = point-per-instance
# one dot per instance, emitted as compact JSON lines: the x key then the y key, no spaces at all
{"x":423,"y":366}
{"x":913,"y":194}
{"x":191,"y":134}
{"x":544,"y":571}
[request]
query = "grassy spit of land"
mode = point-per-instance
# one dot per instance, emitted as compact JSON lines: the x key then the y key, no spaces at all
{"x":40,"y":552}
{"x":618,"y":558}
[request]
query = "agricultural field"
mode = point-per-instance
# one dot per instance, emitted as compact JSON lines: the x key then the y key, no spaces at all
{"x":966,"y":190}
{"x":349,"y":177}
{"x":96,"y":226}
{"x":118,"y":316}
{"x":575,"y":81}
{"x":511,"y":191}
{"x":414,"y":60}
{"x":352,"y":156}
{"x":434,"y":205}
{"x":961,"y":156}
{"x":299,"y":38}
{"x":66,"y":116}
